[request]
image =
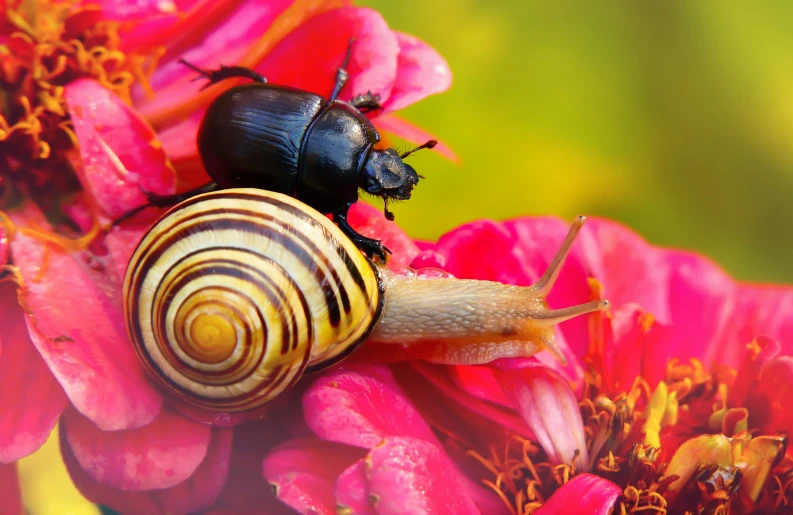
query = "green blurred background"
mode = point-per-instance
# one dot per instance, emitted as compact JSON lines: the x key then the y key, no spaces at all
{"x":674,"y":117}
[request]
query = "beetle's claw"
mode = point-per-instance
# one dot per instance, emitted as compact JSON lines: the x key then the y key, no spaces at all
{"x":374,"y":249}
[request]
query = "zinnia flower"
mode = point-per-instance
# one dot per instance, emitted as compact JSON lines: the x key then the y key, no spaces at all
{"x":96,"y":108}
{"x":671,"y":402}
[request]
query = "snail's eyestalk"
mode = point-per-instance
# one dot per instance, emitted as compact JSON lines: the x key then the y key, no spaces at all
{"x":448,"y":320}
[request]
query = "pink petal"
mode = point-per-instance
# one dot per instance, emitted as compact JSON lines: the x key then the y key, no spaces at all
{"x":217,"y":419}
{"x":584,"y":493}
{"x":159,"y":455}
{"x":308,"y":57}
{"x":356,"y":405}
{"x":412,"y":133}
{"x":352,"y":490}
{"x":760,"y":352}
{"x":132,"y":10}
{"x":84,"y":343}
{"x":303,"y":472}
{"x":450,"y":418}
{"x":421,"y":72}
{"x":630,"y":327}
{"x":479,"y":382}
{"x":172,"y":28}
{"x":179,"y":140}
{"x":759,"y":310}
{"x":410,"y":475}
{"x":4,"y":246}
{"x":32,"y":398}
{"x":630,"y":270}
{"x":9,"y":490}
{"x":440,"y":380}
{"x":547,"y":404}
{"x":701,"y":299}
{"x":120,"y":152}
{"x":195,"y":494}
{"x":371,"y":222}
{"x":483,"y":250}
{"x":776,"y":386}
{"x":246,"y":490}
{"x":225,"y":43}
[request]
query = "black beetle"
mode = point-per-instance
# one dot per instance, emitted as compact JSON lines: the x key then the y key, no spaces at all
{"x":278,"y":138}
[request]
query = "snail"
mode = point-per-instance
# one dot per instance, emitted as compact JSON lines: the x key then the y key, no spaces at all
{"x":231,"y":296}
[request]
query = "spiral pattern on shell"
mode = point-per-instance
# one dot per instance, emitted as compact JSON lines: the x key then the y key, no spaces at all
{"x":231,"y":296}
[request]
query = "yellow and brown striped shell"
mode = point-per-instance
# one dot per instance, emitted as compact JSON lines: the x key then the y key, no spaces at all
{"x":231,"y":296}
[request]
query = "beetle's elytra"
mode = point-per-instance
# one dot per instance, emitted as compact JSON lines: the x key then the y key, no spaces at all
{"x":316,"y":149}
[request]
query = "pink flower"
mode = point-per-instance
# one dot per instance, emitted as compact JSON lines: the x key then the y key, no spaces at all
{"x":109,"y":111}
{"x":649,"y":413}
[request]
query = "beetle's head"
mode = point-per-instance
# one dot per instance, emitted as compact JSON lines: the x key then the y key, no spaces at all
{"x":387,"y":175}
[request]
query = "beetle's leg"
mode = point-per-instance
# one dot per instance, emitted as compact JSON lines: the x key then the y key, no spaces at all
{"x":155,"y":200}
{"x":341,"y":74}
{"x":368,"y":246}
{"x":367,"y":102}
{"x":223,"y":73}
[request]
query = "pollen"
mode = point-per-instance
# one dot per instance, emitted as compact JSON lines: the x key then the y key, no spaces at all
{"x":660,"y":446}
{"x":44,"y":45}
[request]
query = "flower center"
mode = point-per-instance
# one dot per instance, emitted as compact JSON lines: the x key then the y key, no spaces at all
{"x":46,"y":44}
{"x":677,"y":449}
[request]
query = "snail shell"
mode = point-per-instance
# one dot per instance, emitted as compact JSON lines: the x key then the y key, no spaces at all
{"x":231,"y":296}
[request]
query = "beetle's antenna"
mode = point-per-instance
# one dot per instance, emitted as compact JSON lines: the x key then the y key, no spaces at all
{"x":431,"y":143}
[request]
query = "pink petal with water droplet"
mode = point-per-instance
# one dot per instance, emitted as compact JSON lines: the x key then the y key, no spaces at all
{"x":85,"y":343}
{"x":159,"y":455}
{"x":304,"y":470}
{"x":119,"y":150}
{"x":309,"y":57}
{"x":413,"y":134}
{"x":545,"y":401}
{"x":409,"y":475}
{"x":356,"y":406}
{"x":585,"y":493}
{"x":352,"y":490}
{"x":421,"y":72}
{"x":32,"y":398}
{"x":193,"y":495}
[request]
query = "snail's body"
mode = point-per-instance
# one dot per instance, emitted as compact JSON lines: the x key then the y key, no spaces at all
{"x":232,"y":295}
